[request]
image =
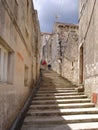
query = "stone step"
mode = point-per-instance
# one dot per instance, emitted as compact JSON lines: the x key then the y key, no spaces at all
{"x":61,"y":119}
{"x":58,"y":94}
{"x":71,"y":126}
{"x":60,"y":112}
{"x":60,"y":97}
{"x":57,"y":91}
{"x":83,"y":126}
{"x":60,"y":101}
{"x":53,"y":88}
{"x":60,"y":107}
{"x":63,"y":106}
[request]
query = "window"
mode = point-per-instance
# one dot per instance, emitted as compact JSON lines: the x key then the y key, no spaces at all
{"x":3,"y":64}
{"x":26,"y":76}
{"x":10,"y":66}
{"x":6,"y":68}
{"x":5,"y":61}
{"x":72,"y":63}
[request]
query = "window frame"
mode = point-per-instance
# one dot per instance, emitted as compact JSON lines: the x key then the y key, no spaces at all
{"x":6,"y":69}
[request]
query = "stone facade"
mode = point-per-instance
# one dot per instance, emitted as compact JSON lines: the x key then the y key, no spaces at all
{"x":61,"y":50}
{"x":65,"y":51}
{"x":19,"y":56}
{"x":88,"y":47}
{"x":36,"y":47}
{"x":46,"y":46}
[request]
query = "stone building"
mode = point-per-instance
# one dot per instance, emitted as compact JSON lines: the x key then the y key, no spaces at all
{"x":65,"y":51}
{"x":88,"y":47}
{"x":36,"y":47}
{"x":60,"y":49}
{"x":19,"y":56}
{"x":46,"y":46}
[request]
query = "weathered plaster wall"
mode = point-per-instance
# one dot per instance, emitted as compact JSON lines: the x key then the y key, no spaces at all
{"x":17,"y":35}
{"x":65,"y":51}
{"x":88,"y":32}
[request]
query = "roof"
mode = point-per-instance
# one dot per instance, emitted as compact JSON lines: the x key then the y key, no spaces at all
{"x":67,"y":24}
{"x":46,"y":33}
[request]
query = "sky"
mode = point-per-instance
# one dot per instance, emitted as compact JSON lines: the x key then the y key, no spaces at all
{"x":51,"y":11}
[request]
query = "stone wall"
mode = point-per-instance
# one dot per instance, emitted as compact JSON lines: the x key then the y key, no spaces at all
{"x":65,"y":51}
{"x":61,"y":50}
{"x":36,"y":46}
{"x":46,"y":46}
{"x":17,"y":56}
{"x":88,"y":33}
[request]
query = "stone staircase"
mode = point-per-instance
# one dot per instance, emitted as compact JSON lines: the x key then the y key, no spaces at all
{"x":61,"y":108}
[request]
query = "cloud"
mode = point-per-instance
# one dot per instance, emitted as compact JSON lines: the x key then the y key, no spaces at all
{"x":67,"y":10}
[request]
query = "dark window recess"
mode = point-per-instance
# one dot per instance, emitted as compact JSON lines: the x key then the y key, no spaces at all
{"x":60,"y":45}
{"x":26,"y":75}
{"x":72,"y":64}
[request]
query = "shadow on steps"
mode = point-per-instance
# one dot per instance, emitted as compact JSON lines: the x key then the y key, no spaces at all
{"x":58,"y":104}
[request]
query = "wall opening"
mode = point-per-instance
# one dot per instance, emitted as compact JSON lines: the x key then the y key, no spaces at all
{"x":6,"y":65}
{"x":81,"y":65}
{"x":10,"y":67}
{"x":32,"y":74}
{"x":26,"y":75}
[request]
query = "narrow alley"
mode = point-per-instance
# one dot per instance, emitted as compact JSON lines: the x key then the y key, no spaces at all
{"x":59,"y":106}
{"x":49,"y":65}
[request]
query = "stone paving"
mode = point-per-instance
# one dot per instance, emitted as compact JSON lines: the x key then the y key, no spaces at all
{"x":58,"y":106}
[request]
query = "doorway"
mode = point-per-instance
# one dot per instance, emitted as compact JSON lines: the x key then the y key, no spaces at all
{"x":81,"y":65}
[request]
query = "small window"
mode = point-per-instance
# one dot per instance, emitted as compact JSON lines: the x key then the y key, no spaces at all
{"x":6,"y":68}
{"x":3,"y":64}
{"x":10,"y":66}
{"x":26,"y":76}
{"x":72,"y":64}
